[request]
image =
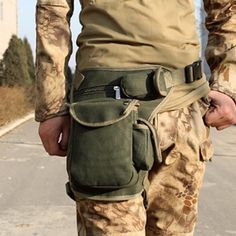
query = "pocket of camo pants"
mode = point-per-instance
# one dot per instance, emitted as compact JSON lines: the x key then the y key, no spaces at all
{"x":206,"y":150}
{"x":106,"y":144}
{"x":206,"y":147}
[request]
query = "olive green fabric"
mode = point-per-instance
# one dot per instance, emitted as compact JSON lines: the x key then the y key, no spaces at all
{"x":113,"y":144}
{"x":129,"y":35}
{"x":134,"y":34}
{"x":109,"y":147}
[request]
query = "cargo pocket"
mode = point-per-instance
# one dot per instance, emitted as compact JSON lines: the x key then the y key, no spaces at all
{"x":206,"y":147}
{"x":102,"y":153}
{"x":206,"y":150}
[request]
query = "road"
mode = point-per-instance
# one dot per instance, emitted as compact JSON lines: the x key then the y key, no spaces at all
{"x":32,"y":193}
{"x":33,"y":200}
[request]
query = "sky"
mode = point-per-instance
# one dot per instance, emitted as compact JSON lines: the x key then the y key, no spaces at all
{"x":26,"y":24}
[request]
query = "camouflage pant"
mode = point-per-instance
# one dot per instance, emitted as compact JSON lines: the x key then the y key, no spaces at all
{"x":174,"y":186}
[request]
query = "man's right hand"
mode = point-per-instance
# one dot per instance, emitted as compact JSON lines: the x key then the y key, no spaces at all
{"x":54,"y":134}
{"x":222,"y":112}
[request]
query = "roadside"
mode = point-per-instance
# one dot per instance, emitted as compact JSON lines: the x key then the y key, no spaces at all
{"x":16,"y":106}
{"x":12,"y":125}
{"x":16,"y":102}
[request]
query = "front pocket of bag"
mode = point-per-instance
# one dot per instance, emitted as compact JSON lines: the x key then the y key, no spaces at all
{"x":101,"y":157}
{"x":142,"y":147}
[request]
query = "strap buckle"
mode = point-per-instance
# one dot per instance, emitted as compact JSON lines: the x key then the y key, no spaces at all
{"x":193,"y":72}
{"x":163,"y":80}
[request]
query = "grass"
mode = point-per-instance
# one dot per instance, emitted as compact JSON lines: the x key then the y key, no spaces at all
{"x":15,"y":102}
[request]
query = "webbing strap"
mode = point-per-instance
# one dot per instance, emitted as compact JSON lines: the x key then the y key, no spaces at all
{"x":181,"y":96}
{"x":165,"y":78}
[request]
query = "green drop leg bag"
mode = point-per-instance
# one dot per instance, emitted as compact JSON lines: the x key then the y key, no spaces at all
{"x":110,"y":148}
{"x":113,"y":144}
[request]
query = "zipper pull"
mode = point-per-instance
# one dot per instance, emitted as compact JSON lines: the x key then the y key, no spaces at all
{"x":117,"y":91}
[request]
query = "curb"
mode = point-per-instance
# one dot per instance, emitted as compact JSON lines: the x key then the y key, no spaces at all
{"x":12,"y":125}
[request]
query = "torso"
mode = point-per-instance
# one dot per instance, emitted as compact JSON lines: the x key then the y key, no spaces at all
{"x":126,"y":34}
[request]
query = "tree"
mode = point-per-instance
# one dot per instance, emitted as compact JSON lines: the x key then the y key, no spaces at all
{"x":15,"y":63}
{"x":30,"y":59}
{"x":1,"y":73}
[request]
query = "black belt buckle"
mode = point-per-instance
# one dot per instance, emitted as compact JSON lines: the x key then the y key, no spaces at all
{"x":193,"y":72}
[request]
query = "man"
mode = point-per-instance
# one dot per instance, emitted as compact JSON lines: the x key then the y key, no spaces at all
{"x":120,"y":39}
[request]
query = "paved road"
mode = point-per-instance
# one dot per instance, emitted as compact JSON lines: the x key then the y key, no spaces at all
{"x":33,"y":200}
{"x":218,"y":196}
{"x":32,"y":194}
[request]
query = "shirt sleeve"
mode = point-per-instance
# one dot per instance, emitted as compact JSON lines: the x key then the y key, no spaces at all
{"x":221,"y":48}
{"x":53,"y":49}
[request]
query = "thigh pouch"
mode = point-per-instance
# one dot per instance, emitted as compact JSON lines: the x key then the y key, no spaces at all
{"x":113,"y":144}
{"x":111,"y":149}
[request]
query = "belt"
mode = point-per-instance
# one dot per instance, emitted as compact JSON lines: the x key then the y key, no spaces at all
{"x":165,"y":78}
{"x":139,"y":84}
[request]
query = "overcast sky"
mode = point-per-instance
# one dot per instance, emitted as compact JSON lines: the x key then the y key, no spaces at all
{"x":26,"y":22}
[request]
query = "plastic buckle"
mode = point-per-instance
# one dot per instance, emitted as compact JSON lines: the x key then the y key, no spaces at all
{"x":193,"y":72}
{"x":162,"y":80}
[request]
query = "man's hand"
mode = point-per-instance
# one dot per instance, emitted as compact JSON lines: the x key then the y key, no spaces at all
{"x":54,"y":134}
{"x":222,"y":112}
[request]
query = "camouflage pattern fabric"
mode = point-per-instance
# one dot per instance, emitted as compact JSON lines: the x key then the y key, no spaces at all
{"x":53,"y":50}
{"x":221,"y":48}
{"x":111,"y":218}
{"x":174,"y":186}
{"x":54,"y":43}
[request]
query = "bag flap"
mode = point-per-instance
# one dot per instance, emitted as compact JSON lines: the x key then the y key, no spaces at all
{"x":97,"y":113}
{"x":138,"y":85}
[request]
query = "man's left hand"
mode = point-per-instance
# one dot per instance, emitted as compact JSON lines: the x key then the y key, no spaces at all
{"x":222,"y":112}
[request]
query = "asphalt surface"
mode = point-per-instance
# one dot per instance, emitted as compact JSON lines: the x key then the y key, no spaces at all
{"x":32,"y":193}
{"x":33,"y":200}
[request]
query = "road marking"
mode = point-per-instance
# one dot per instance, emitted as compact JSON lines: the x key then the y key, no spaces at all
{"x":230,"y":232}
{"x":41,"y":167}
{"x":21,"y":143}
{"x":223,"y":155}
{"x":12,"y":159}
{"x":208,"y":184}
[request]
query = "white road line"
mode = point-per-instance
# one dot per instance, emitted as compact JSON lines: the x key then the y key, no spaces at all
{"x":7,"y":128}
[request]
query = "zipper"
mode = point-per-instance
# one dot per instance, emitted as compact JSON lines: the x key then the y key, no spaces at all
{"x":103,"y":88}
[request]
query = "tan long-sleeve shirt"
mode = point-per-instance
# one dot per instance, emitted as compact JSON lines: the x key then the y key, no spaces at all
{"x":130,"y":34}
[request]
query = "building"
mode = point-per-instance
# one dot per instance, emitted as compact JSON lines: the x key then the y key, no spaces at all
{"x":8,"y":23}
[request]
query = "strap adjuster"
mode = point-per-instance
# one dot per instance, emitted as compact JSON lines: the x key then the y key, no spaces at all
{"x":193,"y":72}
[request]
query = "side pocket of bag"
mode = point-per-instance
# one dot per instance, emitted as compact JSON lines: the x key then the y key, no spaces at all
{"x":142,"y":147}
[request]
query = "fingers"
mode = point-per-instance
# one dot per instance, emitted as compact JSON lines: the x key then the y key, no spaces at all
{"x":219,"y":118}
{"x":213,"y":117}
{"x":65,"y":138}
{"x":222,"y":112}
{"x":50,"y":143}
{"x":54,"y":134}
{"x":55,"y":147}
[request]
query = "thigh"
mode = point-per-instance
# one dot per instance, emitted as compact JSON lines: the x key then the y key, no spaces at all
{"x":122,"y":218}
{"x":174,"y":186}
